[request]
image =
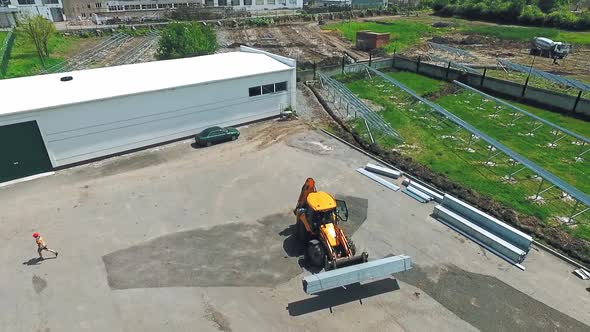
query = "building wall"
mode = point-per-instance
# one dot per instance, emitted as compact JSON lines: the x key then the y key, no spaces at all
{"x":83,"y":9}
{"x":80,"y":132}
{"x":50,"y":9}
{"x":7,"y":18}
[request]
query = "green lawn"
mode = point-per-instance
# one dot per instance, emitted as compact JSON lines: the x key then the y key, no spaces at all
{"x":404,"y":33}
{"x":2,"y":36}
{"x":421,"y":84}
{"x":424,"y":85}
{"x":425,"y":142}
{"x":24,"y":60}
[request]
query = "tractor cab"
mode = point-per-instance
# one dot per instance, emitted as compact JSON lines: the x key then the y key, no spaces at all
{"x":323,"y":209}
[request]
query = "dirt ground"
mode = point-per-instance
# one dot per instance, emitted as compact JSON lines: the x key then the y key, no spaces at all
{"x":305,"y":42}
{"x":184,"y":239}
{"x":487,"y":49}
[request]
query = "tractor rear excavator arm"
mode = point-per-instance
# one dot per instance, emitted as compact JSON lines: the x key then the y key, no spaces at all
{"x":308,"y":187}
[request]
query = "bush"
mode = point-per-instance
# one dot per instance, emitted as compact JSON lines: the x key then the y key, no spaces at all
{"x":563,"y":18}
{"x":181,"y":40}
{"x":532,"y":14}
{"x":515,"y":11}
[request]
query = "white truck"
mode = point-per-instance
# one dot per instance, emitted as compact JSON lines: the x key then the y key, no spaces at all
{"x":546,"y":47}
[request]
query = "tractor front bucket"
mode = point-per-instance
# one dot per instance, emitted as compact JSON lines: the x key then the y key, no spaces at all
{"x":372,"y":270}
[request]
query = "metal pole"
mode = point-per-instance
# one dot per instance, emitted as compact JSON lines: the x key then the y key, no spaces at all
{"x":314,"y":70}
{"x":577,"y":101}
{"x":573,"y":212}
{"x":343,"y":64}
{"x":369,"y":131}
{"x":579,"y":213}
{"x":483,"y":77}
{"x":539,"y":189}
{"x":448,"y":68}
{"x":526,"y":83}
{"x":418,"y":64}
{"x":370,"y":58}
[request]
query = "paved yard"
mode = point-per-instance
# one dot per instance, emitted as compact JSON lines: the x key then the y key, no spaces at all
{"x":184,"y":239}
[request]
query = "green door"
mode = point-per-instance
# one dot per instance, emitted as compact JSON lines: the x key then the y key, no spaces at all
{"x":22,"y":151}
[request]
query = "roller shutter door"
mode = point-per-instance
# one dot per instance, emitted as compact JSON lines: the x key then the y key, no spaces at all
{"x":22,"y":151}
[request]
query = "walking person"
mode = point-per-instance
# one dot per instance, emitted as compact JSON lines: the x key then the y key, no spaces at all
{"x":42,"y":246}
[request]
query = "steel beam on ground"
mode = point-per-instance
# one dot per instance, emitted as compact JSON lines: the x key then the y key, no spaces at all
{"x":349,"y":275}
{"x":378,"y":179}
{"x":574,"y":192}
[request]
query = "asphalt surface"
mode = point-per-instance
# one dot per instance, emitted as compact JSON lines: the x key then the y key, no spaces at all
{"x":183,"y":239}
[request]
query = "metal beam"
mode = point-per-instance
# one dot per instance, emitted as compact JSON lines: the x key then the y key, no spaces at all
{"x":500,"y":101}
{"x":377,"y":179}
{"x":377,"y":269}
{"x":574,"y":192}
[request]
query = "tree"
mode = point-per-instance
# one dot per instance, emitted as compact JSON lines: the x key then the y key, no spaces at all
{"x":181,"y":40}
{"x":38,"y":30}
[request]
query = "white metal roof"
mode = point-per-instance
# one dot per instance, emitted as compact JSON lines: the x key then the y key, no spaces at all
{"x":46,"y":91}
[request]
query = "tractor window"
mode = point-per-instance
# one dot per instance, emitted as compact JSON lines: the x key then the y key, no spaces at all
{"x":341,"y":210}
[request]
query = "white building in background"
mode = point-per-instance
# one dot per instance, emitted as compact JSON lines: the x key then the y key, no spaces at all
{"x":83,"y":115}
{"x":88,"y":9}
{"x":8,"y":15}
{"x":50,"y":9}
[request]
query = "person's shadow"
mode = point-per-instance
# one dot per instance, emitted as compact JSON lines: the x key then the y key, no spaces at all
{"x":36,"y":261}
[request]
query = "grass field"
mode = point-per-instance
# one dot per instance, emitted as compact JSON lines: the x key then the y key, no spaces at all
{"x":404,"y":33}
{"x":408,"y":31}
{"x":24,"y":60}
{"x":436,"y":144}
{"x":2,"y":36}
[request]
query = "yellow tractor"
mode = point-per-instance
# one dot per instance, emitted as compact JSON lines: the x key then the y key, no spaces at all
{"x":318,"y":218}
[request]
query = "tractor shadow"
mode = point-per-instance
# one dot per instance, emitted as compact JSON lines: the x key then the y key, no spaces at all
{"x":339,"y":296}
{"x":295,"y":248}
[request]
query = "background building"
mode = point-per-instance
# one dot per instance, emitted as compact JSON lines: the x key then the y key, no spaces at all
{"x":8,"y":15}
{"x":105,"y":111}
{"x":50,"y":9}
{"x":87,"y":9}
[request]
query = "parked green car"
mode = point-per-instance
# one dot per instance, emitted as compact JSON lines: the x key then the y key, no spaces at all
{"x":216,"y":135}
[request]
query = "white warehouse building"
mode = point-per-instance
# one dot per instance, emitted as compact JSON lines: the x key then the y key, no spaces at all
{"x":49,"y":121}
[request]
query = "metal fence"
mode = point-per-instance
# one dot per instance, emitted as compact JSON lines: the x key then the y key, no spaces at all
{"x":86,"y":58}
{"x":5,"y":52}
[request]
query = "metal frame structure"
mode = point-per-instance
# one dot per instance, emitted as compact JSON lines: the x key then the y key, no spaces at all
{"x":345,"y":95}
{"x":531,"y":115}
{"x":134,"y":54}
{"x":85,"y":58}
{"x":452,"y":50}
{"x":555,"y":181}
{"x":572,"y":83}
{"x":454,"y":64}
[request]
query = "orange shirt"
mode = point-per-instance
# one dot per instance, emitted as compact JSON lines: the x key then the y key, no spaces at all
{"x":40,"y":242}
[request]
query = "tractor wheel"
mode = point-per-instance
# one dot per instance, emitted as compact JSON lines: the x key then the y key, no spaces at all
{"x":316,"y":253}
{"x":233,"y":138}
{"x":351,"y":246}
